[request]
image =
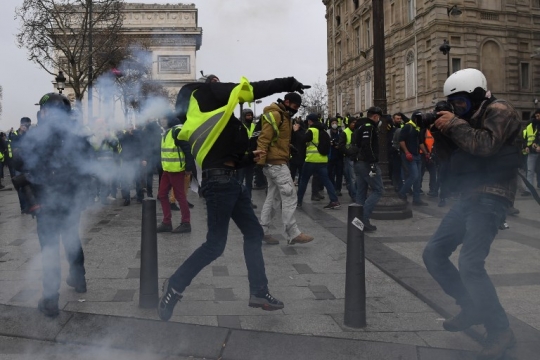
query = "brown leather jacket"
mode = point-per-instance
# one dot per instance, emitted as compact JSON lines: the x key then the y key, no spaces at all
{"x":278,"y":152}
{"x":483,"y":136}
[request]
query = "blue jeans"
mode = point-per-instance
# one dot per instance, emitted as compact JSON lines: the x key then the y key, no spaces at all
{"x":322,"y":170}
{"x":363,"y":181}
{"x":473,"y":223}
{"x":226,"y":199}
{"x":51,"y":226}
{"x":350,"y":177}
{"x":246,"y":173}
{"x":415,"y":176}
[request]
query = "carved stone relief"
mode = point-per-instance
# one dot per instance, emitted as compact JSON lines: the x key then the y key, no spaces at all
{"x":174,"y":64}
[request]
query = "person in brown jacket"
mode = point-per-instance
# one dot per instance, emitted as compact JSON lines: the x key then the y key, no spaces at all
{"x":482,"y":132}
{"x":274,"y":140}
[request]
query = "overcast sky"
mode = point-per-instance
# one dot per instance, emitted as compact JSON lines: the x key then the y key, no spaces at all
{"x":259,"y":39}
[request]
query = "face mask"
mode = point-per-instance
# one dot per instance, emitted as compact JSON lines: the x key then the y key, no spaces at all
{"x":334,"y":126}
{"x":291,"y":111}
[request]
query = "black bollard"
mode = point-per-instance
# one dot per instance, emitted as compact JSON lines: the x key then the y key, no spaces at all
{"x":355,"y":276}
{"x":148,"y":297}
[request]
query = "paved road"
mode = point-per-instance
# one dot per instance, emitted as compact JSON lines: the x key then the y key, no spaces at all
{"x":403,"y":303}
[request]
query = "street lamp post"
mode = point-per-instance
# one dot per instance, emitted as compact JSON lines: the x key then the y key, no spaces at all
{"x":389,"y":207}
{"x":445,"y":49}
{"x":255,"y":107}
{"x":60,"y":82}
{"x":90,"y":61}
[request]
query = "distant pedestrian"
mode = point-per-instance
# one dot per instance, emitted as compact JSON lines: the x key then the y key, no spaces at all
{"x":317,"y":161}
{"x":367,"y":170}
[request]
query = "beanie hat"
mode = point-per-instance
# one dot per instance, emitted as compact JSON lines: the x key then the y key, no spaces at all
{"x":294,"y":98}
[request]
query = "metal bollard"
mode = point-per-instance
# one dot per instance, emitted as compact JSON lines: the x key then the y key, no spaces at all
{"x":148,"y":295}
{"x":355,"y":276}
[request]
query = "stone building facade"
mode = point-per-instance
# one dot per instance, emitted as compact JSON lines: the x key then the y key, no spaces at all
{"x":499,"y":37}
{"x":171,"y":33}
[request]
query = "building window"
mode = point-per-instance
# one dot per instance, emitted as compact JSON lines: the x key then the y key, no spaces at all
{"x":367,"y":91}
{"x":368,"y":34}
{"x":356,"y":4}
{"x":338,"y":15}
{"x":357,"y":40}
{"x":348,"y":49}
{"x":456,"y":64}
{"x":535,"y":3}
{"x":339,"y":103}
{"x":411,"y":9}
{"x":393,"y":87}
{"x":410,"y":75}
{"x":357,"y":95}
{"x":339,"y":54}
{"x":392,"y":14}
{"x":525,"y":76}
{"x":429,"y":75}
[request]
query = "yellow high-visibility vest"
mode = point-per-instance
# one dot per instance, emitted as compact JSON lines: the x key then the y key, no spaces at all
{"x":348,"y":133}
{"x":202,"y":129}
{"x":172,"y":157}
{"x":312,"y":153}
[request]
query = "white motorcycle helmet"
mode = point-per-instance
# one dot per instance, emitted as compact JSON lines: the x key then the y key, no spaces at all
{"x":466,"y":80}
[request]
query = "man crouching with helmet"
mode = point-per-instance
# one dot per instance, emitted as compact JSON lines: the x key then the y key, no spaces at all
{"x":481,"y":133}
{"x":55,"y":161}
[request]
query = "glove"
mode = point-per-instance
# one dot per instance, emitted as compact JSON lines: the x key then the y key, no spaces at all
{"x":409,"y":157}
{"x":298,"y":86}
{"x":372,"y":170}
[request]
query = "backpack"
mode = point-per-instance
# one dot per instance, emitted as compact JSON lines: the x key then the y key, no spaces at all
{"x":324,"y":143}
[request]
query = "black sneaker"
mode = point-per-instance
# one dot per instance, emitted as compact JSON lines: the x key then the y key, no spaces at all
{"x":402,"y":197}
{"x":175,"y":207}
{"x":315,"y":198}
{"x":167,"y":302}
{"x":368,"y":227}
{"x":49,"y":307}
{"x":127,"y":202}
{"x":78,"y":284}
{"x":253,"y":206}
{"x":333,"y":205}
{"x":164,"y":228}
{"x":265,"y":301}
{"x":182,"y":228}
{"x":190,"y":205}
{"x":462,"y":321}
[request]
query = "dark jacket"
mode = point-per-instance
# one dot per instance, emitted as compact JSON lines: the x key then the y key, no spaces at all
{"x":59,"y":164}
{"x":335,"y":154}
{"x":232,"y":144}
{"x":365,"y":141}
{"x":151,"y":136}
{"x":493,"y":126}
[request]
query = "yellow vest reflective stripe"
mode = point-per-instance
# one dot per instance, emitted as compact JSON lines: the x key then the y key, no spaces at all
{"x":348,"y":133}
{"x":250,"y":130}
{"x":312,"y":154}
{"x":529,"y":134}
{"x":10,"y":151}
{"x":172,"y":158}
{"x":202,"y":129}
{"x":416,"y":127}
{"x":269,"y":118}
{"x":1,"y":157}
